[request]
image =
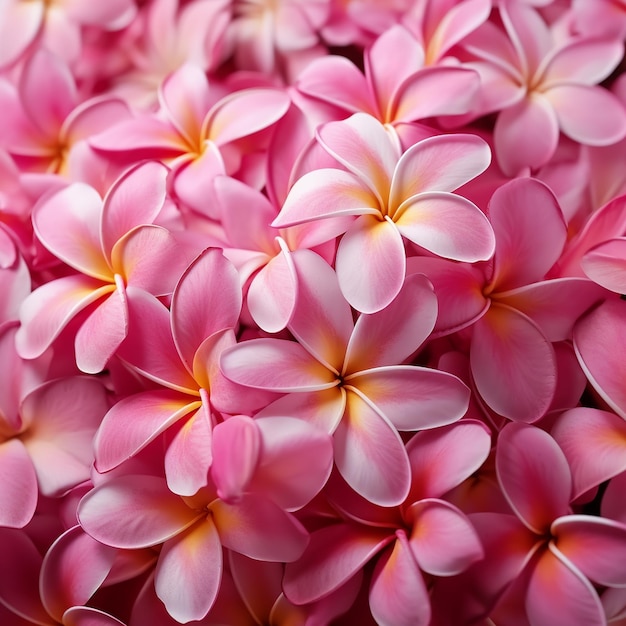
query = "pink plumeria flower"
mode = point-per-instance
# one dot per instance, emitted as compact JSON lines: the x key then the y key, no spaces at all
{"x":393,"y":197}
{"x":111,"y":244}
{"x":547,"y":86}
{"x":345,"y":377}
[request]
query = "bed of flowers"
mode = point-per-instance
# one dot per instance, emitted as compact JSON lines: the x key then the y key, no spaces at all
{"x":313,"y":312}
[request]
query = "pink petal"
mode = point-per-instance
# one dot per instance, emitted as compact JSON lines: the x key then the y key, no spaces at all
{"x":189,"y":456}
{"x":513,"y":364}
{"x":412,"y":397}
{"x":526,"y":134}
{"x":259,"y":529}
{"x":86,"y":616}
{"x":398,"y":594}
{"x":606,"y":265}
{"x":19,"y":27}
{"x":48,"y":310}
{"x":143,"y":136}
{"x":447,"y":225}
{"x":276,"y":365}
{"x":576,"y":108}
{"x":594,"y":443}
{"x":373,"y":345}
{"x":189,"y":572}
{"x":322,"y":319}
{"x":559,"y":595}
{"x":533,"y":474}
{"x":135,"y":199}
{"x":444,"y":457}
{"x":595,"y":546}
{"x":371,"y":263}
{"x":334,"y":555}
{"x":72,"y":571}
{"x":207,"y":299}
{"x":19,"y":492}
{"x":94,"y":116}
{"x":530,"y":232}
{"x":443,"y":539}
{"x":135,"y":421}
{"x":370,"y":455}
{"x":133,"y":511}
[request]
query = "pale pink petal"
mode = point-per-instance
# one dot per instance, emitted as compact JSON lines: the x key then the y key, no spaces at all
{"x":93,"y":116}
{"x":444,"y":457}
{"x":336,"y":80}
{"x":594,"y":443}
{"x":86,"y":616}
{"x":188,"y":455}
{"x":113,"y":14}
{"x":134,"y":511}
{"x":68,"y":223}
{"x":102,"y":332}
{"x":513,"y":364}
{"x":334,"y":555}
{"x":361,"y":144}
{"x":207,"y":299}
{"x":142,"y":136}
{"x":136,"y":198}
{"x":370,"y":455}
{"x":412,"y":397}
{"x":606,"y":264}
{"x":595,"y":546}
{"x":559,"y":595}
{"x":19,"y":26}
{"x":576,"y":108}
{"x":411,"y":315}
{"x":260,"y":529}
{"x":243,"y":113}
{"x":443,"y":539}
{"x":447,"y":225}
{"x":236,"y":453}
{"x":325,"y":193}
{"x":189,"y":572}
{"x":440,"y":163}
{"x":526,"y":135}
{"x":18,"y":480}
{"x":72,"y":571}
{"x":276,"y":365}
{"x":530,"y":232}
{"x":371,"y":263}
{"x":600,"y":340}
{"x":48,"y":310}
{"x":398,"y":594}
{"x":133,"y":422}
{"x":533,"y":474}
{"x":322,"y":319}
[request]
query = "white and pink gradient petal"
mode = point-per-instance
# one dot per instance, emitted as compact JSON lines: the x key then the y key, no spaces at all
{"x":19,"y":492}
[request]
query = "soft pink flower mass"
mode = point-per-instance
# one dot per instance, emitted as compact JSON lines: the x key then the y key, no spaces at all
{"x":313,"y":312}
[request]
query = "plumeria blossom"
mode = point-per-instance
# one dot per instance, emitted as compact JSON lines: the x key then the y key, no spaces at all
{"x":393,"y":197}
{"x":111,"y":244}
{"x":344,"y":377}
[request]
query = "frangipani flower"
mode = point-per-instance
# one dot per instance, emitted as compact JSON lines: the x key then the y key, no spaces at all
{"x":345,"y":377}
{"x":393,"y":196}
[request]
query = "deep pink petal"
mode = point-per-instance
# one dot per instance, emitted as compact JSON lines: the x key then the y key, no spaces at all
{"x":576,"y":109}
{"x":18,"y":480}
{"x":134,"y":511}
{"x":189,"y":572}
{"x":260,"y":529}
{"x":533,"y":474}
{"x":447,"y":225}
{"x":413,"y":397}
{"x":133,"y":422}
{"x":87,"y":616}
{"x":606,"y":265}
{"x":443,"y":539}
{"x":444,"y":457}
{"x":398,"y":594}
{"x":370,"y":454}
{"x":391,"y":335}
{"x":526,"y":135}
{"x":559,"y":595}
{"x":594,"y":443}
{"x":513,"y":364}
{"x":371,"y":263}
{"x":334,"y":555}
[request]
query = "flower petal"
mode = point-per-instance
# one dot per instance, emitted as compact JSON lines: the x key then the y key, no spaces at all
{"x":18,"y":480}
{"x":606,"y":265}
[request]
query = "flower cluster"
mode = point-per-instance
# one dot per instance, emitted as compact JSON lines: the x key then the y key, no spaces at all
{"x":313,"y":312}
